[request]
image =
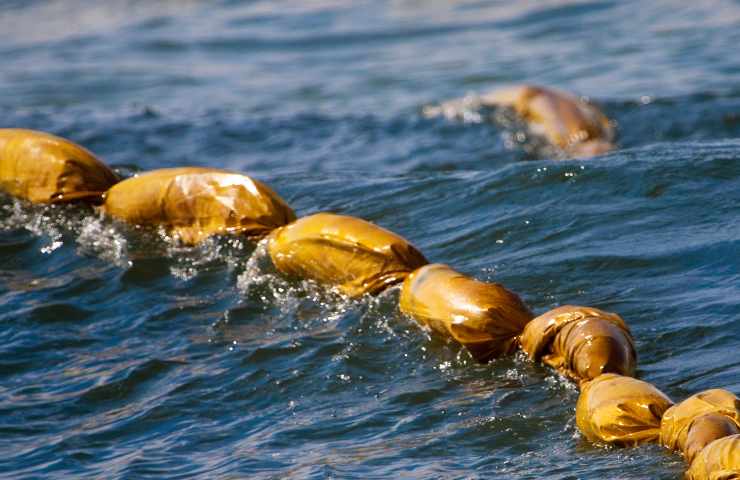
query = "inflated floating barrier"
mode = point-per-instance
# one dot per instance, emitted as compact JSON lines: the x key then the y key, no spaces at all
{"x":704,"y":430}
{"x":194,"y":203}
{"x":484,"y":317}
{"x":581,"y":342}
{"x":575,"y":126}
{"x":620,"y":410}
{"x":690,"y":415}
{"x":351,"y":254}
{"x":357,"y":257}
{"x":44,"y":168}
{"x":720,"y":460}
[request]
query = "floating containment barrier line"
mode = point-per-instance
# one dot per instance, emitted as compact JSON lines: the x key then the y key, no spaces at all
{"x":581,"y":342}
{"x":486,"y":318}
{"x":194,"y":203}
{"x":357,"y":257}
{"x":349,"y":253}
{"x":575,"y":126}
{"x":620,"y":410}
{"x":684,"y":417}
{"x":720,"y":460}
{"x":43,"y":168}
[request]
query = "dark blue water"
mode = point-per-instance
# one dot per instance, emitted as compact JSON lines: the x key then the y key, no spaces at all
{"x":124,"y":356}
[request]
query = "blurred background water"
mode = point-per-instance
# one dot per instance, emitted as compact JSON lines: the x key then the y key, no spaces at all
{"x":124,"y":356}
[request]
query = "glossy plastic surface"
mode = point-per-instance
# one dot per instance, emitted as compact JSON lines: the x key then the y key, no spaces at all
{"x":484,"y":317}
{"x":620,"y":410}
{"x":720,"y":460}
{"x":705,"y":429}
{"x":581,"y":342}
{"x":568,"y":122}
{"x":43,"y":168}
{"x":195,"y":203}
{"x":677,"y":420}
{"x":352,"y":254}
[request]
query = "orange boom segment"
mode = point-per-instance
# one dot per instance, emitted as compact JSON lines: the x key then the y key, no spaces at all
{"x":195,"y":203}
{"x":683,"y":417}
{"x":354,"y":255}
{"x":704,"y":430}
{"x":620,"y":410}
{"x":43,"y":168}
{"x":484,"y":317}
{"x":720,"y":460}
{"x":566,"y":121}
{"x":581,"y":342}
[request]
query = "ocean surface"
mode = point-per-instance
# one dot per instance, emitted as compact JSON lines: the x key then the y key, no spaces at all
{"x":123,"y":355}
